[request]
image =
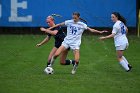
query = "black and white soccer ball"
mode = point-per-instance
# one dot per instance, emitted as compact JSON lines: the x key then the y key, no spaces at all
{"x":49,"y":70}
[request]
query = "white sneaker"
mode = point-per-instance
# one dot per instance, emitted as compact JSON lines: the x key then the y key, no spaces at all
{"x":74,"y":69}
{"x":50,"y":65}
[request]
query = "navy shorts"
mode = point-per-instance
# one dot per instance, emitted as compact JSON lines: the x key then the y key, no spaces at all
{"x":58,"y":43}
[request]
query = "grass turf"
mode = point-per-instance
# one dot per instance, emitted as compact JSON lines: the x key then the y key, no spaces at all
{"x":22,"y":65}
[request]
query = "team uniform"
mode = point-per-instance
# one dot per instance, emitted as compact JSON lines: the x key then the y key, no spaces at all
{"x":120,"y":39}
{"x":59,"y":37}
{"x":121,"y":42}
{"x":74,"y":34}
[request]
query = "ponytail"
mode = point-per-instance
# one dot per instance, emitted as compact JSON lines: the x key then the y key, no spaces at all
{"x":121,"y":18}
{"x":83,"y":20}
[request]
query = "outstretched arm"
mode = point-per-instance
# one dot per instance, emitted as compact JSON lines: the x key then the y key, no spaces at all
{"x":57,"y":25}
{"x":106,"y":37}
{"x":44,"y":41}
{"x":49,"y":29}
{"x":96,"y":31}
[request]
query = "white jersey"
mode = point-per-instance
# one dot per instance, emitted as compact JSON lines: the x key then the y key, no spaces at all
{"x":74,"y":31}
{"x":119,"y":29}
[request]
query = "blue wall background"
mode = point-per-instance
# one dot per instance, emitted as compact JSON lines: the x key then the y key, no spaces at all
{"x":96,"y":12}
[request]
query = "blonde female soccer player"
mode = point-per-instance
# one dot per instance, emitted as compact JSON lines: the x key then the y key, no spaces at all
{"x":59,"y":36}
{"x":75,"y":28}
{"x":121,"y":42}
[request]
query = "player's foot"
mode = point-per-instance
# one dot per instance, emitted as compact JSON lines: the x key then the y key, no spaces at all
{"x":130,"y":67}
{"x":49,"y":65}
{"x":74,"y":69}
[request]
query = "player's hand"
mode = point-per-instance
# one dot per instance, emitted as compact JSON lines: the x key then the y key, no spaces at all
{"x":104,"y":31}
{"x":38,"y":45}
{"x":42,"y":29}
{"x":102,"y":38}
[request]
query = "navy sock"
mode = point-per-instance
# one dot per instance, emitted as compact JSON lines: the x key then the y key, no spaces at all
{"x":73,"y":62}
{"x":68,"y":62}
{"x":48,"y":64}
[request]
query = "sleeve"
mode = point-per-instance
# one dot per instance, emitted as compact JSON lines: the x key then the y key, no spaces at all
{"x":66,"y":22}
{"x":85,"y":26}
{"x":115,"y":30}
{"x":49,"y":35}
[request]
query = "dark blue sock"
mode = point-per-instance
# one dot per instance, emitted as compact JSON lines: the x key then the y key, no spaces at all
{"x":68,"y":62}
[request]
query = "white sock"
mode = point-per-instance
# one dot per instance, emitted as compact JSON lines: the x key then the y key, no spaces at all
{"x":124,"y":65}
{"x":125,"y":60}
{"x":52,"y":61}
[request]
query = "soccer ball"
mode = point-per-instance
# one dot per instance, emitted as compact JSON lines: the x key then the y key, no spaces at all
{"x":49,"y":70}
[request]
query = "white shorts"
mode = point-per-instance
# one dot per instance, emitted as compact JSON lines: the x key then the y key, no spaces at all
{"x":122,"y":47}
{"x":72,"y":46}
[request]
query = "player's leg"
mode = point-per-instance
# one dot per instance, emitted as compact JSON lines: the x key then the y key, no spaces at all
{"x":126,"y":62}
{"x":63,"y":57}
{"x":126,"y":59}
{"x":121,"y":61}
{"x":54,"y":49}
{"x":76,"y":57}
{"x":57,"y":53}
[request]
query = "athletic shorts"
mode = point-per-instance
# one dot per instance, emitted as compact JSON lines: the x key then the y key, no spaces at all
{"x":58,"y":43}
{"x":72,"y":46}
{"x":122,"y":47}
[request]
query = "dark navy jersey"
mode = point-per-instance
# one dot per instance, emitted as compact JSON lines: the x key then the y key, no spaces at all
{"x":59,"y":37}
{"x":60,"y":34}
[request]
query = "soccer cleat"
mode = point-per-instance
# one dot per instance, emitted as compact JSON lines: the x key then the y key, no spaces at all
{"x":130,"y":67}
{"x":74,"y":69}
{"x":49,"y":65}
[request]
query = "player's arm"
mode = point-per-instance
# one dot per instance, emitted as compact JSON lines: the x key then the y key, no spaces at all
{"x":44,"y":41}
{"x":114,"y":31}
{"x":96,"y":31}
{"x":54,"y":32}
{"x":57,"y":25}
{"x":49,"y":29}
{"x":106,"y":37}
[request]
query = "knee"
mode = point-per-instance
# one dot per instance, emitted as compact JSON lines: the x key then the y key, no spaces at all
{"x":119,"y":58}
{"x":62,"y":63}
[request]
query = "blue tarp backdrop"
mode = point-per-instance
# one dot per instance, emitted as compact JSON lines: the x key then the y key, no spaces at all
{"x":32,"y":13}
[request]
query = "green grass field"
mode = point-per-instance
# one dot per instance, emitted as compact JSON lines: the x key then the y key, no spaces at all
{"x":22,"y":65}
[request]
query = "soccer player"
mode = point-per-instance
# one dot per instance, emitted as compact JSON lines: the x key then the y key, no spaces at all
{"x":59,"y":36}
{"x":121,"y":42}
{"x":75,"y":28}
